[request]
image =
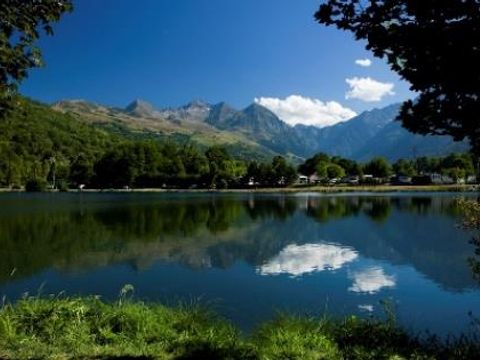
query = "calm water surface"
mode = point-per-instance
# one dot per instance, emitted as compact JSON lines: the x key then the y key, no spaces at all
{"x":247,"y":255}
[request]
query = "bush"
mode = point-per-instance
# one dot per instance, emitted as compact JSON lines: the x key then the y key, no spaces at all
{"x":35,"y":185}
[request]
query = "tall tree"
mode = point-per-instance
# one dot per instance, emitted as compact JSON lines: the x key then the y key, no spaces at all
{"x":283,"y":173}
{"x":434,"y":45}
{"x":21,"y":23}
{"x":404,"y":167}
{"x":81,"y":170}
{"x":335,"y":171}
{"x":311,"y":165}
{"x":218,"y":160}
{"x":378,"y":167}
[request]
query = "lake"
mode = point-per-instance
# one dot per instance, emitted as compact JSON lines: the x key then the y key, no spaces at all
{"x":248,"y":256}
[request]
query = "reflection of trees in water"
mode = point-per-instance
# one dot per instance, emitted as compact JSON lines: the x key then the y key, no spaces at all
{"x":69,"y":237}
{"x":279,"y":208}
{"x":222,"y":214}
{"x":378,"y":208}
{"x":150,"y":222}
{"x":30,"y":242}
{"x":426,"y":205}
{"x":202,"y":232}
{"x":328,"y":208}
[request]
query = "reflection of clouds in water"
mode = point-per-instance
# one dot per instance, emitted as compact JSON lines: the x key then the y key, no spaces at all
{"x":301,"y":259}
{"x":371,"y":281}
{"x":366,"y":308}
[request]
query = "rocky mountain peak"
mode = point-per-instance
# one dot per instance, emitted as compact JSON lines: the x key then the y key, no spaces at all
{"x":140,"y":107}
{"x":197,"y":104}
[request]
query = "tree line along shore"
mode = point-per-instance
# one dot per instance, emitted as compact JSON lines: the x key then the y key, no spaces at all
{"x":42,"y":149}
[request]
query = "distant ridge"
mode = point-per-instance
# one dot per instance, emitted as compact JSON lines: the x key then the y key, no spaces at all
{"x":257,"y":130}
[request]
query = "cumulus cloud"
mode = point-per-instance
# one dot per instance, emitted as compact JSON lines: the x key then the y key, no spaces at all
{"x":371,"y":281}
{"x":297,"y":260}
{"x":368,"y":89}
{"x":297,"y":109}
{"x":363,"y":62}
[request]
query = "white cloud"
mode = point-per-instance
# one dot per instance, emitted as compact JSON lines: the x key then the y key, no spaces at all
{"x":363,"y":62}
{"x":297,"y":109}
{"x":298,"y":260}
{"x":368,"y":89}
{"x":371,"y":281}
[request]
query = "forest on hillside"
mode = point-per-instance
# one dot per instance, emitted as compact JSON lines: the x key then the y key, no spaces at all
{"x":42,"y":148}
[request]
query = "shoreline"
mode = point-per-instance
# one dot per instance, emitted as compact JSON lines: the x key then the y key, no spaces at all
{"x":321,"y":189}
{"x":315,"y":189}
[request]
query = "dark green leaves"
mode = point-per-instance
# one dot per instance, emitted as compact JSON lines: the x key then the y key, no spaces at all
{"x":21,"y":24}
{"x":434,"y":45}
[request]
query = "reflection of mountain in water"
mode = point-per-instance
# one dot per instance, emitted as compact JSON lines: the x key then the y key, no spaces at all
{"x":270,"y":232}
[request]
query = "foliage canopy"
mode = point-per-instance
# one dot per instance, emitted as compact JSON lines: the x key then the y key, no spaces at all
{"x":434,"y":45}
{"x":21,"y":23}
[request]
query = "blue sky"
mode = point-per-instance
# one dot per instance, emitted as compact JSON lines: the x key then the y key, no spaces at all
{"x":169,"y":52}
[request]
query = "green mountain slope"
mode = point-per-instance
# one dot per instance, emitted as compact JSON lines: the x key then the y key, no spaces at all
{"x":34,"y":136}
{"x":184,"y":125}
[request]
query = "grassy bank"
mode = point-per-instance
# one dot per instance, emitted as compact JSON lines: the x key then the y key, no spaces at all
{"x":88,"y":328}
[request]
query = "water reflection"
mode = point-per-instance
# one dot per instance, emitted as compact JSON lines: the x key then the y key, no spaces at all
{"x":275,"y":234}
{"x":366,"y":308}
{"x":299,"y":260}
{"x":371,"y":281}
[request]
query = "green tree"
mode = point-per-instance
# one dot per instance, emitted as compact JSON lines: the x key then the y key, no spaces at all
{"x":425,"y":165}
{"x":283,"y":173}
{"x":459,"y":161}
{"x":81,"y":170}
{"x":220,"y":171}
{"x":335,"y":171}
{"x":252,"y":174}
{"x":267,"y":176}
{"x":351,"y":167}
{"x":378,"y":167}
{"x":194,"y":162}
{"x":310,"y":166}
{"x":434,"y":45}
{"x":404,"y":167}
{"x":455,"y":173}
{"x":118,"y":167}
{"x":10,"y":165}
{"x":321,"y":169}
{"x":21,"y":23}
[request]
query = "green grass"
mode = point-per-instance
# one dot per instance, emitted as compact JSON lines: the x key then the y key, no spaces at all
{"x":64,"y":328}
{"x":59,"y":327}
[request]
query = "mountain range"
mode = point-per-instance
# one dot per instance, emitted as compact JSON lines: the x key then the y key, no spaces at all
{"x":256,"y":132}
